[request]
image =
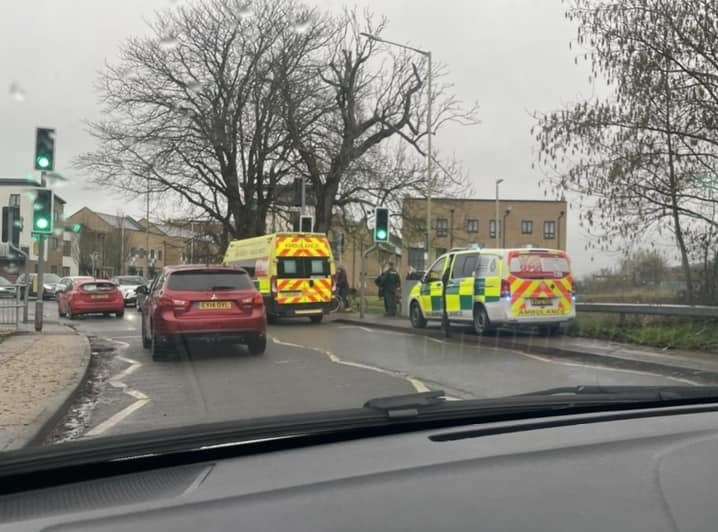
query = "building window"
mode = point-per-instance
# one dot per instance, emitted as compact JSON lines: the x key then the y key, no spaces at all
{"x":492,"y":228}
{"x":472,"y":225}
{"x":152,"y":253}
{"x":442,"y":227}
{"x":67,"y":248}
{"x":527,"y":227}
{"x":66,"y":271}
{"x":416,"y":259}
{"x":14,"y":200}
{"x":549,"y":230}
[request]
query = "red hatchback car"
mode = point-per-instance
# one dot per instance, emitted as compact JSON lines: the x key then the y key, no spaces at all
{"x":209,"y":302}
{"x":90,"y":296}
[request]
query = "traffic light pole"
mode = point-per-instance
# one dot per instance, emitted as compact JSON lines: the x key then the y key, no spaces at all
{"x":40,"y":281}
{"x":362,"y":287}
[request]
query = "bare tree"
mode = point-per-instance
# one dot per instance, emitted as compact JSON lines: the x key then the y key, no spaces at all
{"x":349,"y":97}
{"x":194,"y":113}
{"x":639,"y":151}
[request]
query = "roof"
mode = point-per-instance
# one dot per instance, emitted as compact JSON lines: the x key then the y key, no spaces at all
{"x":175,"y":231}
{"x":24,"y":183}
{"x":115,"y":221}
{"x":182,"y":267}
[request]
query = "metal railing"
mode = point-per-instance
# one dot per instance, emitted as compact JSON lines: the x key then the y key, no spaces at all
{"x":11,"y":308}
{"x":648,"y":309}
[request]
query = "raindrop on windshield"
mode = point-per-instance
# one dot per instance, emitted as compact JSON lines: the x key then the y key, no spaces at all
{"x":17,"y":92}
{"x":169,"y":42}
{"x":245,"y":11}
{"x":301,"y":26}
{"x":193,"y":86}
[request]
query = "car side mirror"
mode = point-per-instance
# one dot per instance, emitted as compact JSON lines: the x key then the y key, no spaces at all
{"x":141,"y":290}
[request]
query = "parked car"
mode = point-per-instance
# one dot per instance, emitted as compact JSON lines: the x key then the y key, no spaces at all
{"x":91,"y":297}
{"x":128,"y":286}
{"x":64,"y":287}
{"x":203,"y":302}
{"x":7,"y":289}
{"x":49,"y":283}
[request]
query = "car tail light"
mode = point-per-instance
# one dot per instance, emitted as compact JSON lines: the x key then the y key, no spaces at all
{"x":168,"y":303}
{"x":250,"y":302}
{"x":505,"y":289}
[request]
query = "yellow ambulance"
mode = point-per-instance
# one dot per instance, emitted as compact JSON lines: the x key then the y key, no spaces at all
{"x":490,"y":288}
{"x":293,"y":271}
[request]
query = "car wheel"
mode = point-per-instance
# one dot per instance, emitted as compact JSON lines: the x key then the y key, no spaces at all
{"x":316,"y":319}
{"x":146,"y":342}
{"x":120,"y":314}
{"x":482,"y":325}
{"x":59,"y":312}
{"x":257,"y":345}
{"x":417,"y":319}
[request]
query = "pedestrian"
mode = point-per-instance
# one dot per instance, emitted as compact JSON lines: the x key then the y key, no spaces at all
{"x":342,"y":284}
{"x":391,"y":283}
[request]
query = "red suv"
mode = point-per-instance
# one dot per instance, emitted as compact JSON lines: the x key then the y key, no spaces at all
{"x":212,"y":302}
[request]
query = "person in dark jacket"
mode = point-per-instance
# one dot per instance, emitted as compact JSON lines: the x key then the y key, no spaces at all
{"x":390,"y":285}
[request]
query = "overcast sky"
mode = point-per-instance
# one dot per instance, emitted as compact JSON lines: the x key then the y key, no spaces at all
{"x":511,"y":56}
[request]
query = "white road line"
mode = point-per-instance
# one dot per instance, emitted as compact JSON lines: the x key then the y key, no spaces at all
{"x":117,"y":382}
{"x":416,"y":383}
{"x":602,"y":368}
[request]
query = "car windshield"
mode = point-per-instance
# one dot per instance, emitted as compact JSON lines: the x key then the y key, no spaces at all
{"x":271,"y":208}
{"x":130,"y":281}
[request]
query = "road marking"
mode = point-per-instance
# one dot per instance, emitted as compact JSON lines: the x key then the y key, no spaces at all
{"x":603,"y":368}
{"x":418,"y":385}
{"x":117,"y":382}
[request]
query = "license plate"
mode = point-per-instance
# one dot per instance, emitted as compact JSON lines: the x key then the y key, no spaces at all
{"x":292,"y":294}
{"x":544,"y":302}
{"x":215,"y":305}
{"x":100,"y":297}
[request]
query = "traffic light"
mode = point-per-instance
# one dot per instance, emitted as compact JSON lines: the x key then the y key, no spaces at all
{"x":42,"y":215}
{"x":44,"y":149}
{"x":306,"y":224}
{"x":381,"y":224}
{"x":76,"y":228}
{"x":11,"y":225}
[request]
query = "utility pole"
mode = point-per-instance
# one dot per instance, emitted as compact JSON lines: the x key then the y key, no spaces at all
{"x":496,"y":221}
{"x":40,"y":279}
{"x":122,"y":244}
{"x":147,"y":230}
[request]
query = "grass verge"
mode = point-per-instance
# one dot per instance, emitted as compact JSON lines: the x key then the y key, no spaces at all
{"x":671,"y":333}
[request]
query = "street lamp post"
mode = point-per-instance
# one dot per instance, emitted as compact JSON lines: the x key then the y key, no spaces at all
{"x":429,"y":133}
{"x":496,"y":220}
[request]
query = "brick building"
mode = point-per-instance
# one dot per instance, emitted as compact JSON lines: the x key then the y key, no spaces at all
{"x":460,"y":222}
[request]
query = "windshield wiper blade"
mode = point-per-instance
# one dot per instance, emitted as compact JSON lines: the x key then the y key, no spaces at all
{"x":659,"y":393}
{"x":406,"y":405}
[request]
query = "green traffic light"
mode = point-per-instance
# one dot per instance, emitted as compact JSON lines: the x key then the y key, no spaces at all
{"x":76,"y":228}
{"x":42,"y":223}
{"x":381,"y":234}
{"x":43,"y":162}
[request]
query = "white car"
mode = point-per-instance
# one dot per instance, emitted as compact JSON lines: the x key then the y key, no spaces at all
{"x":128,"y":284}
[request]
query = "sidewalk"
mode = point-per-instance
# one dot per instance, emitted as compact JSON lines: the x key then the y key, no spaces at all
{"x":694,"y":366}
{"x":39,"y":376}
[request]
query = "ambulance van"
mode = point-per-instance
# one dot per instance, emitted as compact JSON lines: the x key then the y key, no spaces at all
{"x":292,"y":271}
{"x":491,"y":288}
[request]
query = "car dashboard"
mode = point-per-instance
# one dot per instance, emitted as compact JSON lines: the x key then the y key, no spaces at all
{"x":591,"y":472}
